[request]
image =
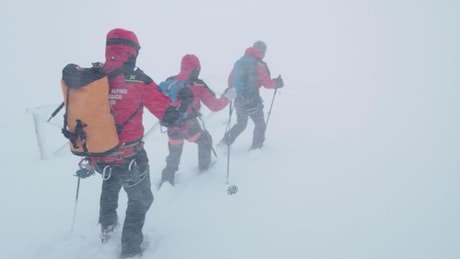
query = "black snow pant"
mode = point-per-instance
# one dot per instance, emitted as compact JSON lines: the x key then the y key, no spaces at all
{"x":135,"y":180}
{"x":244,"y":110}
{"x":191,"y":132}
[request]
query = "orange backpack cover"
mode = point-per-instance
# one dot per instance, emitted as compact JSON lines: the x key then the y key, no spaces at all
{"x":88,"y":121}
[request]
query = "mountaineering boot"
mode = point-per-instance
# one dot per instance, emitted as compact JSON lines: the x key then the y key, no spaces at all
{"x":222,"y":147}
{"x":256,"y":146}
{"x":167,"y":176}
{"x":131,"y":254}
{"x":172,"y":163}
{"x":107,"y":231}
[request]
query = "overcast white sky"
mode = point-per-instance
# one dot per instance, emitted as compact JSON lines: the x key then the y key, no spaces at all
{"x":367,"y":126}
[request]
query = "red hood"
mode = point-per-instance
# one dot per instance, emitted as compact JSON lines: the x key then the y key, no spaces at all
{"x":255,"y":52}
{"x":189,"y":63}
{"x":121,"y":44}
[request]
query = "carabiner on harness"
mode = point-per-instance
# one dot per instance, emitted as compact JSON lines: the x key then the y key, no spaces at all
{"x":106,"y":172}
{"x":132,"y":165}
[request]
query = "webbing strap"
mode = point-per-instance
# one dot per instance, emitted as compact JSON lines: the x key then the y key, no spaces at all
{"x":122,"y":41}
{"x":120,"y":127}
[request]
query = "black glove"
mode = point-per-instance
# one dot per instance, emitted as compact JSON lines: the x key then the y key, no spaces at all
{"x":279,"y":82}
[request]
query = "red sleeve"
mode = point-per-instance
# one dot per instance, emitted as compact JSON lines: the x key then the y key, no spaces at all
{"x":263,"y":77}
{"x":155,"y":101}
{"x":208,"y":98}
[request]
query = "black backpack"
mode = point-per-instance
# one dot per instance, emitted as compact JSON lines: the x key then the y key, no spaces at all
{"x":182,"y":98}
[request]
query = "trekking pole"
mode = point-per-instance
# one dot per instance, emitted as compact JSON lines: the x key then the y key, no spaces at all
{"x":56,"y":111}
{"x":271,"y":106}
{"x":227,"y":127}
{"x":227,"y":131}
{"x":228,"y":164}
{"x":75,"y":207}
{"x":231,"y":189}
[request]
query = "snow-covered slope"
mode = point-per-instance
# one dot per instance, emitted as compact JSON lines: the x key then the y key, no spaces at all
{"x":362,"y":151}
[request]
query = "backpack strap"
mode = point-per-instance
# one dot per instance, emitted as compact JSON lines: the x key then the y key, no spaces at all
{"x":122,"y":126}
{"x":114,"y":73}
{"x":143,"y":77}
{"x":78,"y":133}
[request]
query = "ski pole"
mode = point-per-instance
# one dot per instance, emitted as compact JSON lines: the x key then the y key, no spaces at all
{"x":271,"y":106}
{"x":232,"y":189}
{"x":75,"y":207}
{"x":227,"y":135}
{"x":56,"y":111}
{"x":227,"y":127}
{"x":228,"y":163}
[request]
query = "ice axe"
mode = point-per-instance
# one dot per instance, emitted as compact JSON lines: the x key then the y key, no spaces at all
{"x":56,"y":111}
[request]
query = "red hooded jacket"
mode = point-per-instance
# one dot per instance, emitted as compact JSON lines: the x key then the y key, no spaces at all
{"x":263,"y":77}
{"x":128,"y":95}
{"x":190,"y":69}
{"x":130,"y":88}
